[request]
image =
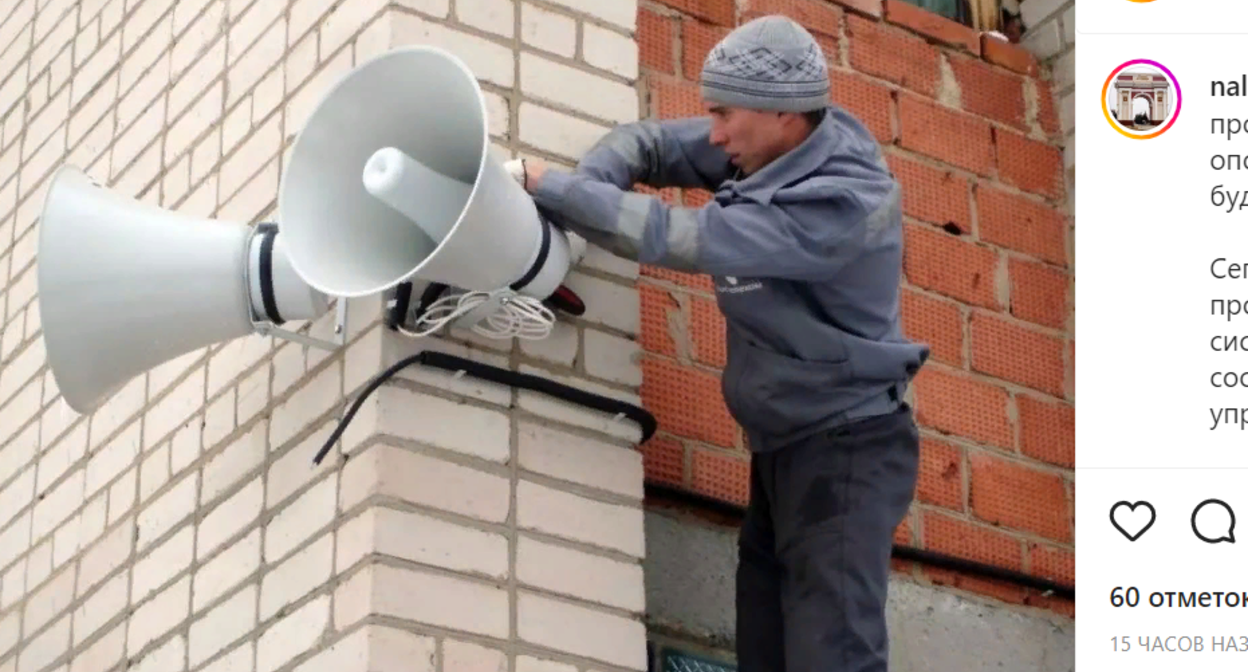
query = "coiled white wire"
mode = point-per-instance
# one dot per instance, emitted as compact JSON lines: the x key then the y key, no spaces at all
{"x":517,"y":316}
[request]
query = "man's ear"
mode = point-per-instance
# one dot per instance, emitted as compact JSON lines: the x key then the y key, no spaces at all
{"x":790,"y":119}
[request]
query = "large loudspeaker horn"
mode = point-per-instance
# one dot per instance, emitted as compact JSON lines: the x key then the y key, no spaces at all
{"x":392,"y":178}
{"x":125,"y":286}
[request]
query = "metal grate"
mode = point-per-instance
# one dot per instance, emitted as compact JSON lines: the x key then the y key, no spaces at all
{"x":675,"y":661}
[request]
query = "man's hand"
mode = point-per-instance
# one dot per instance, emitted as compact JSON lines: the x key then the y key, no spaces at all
{"x":534,"y":170}
{"x":527,"y":172}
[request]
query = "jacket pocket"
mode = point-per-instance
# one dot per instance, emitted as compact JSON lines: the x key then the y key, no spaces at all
{"x":777,"y":394}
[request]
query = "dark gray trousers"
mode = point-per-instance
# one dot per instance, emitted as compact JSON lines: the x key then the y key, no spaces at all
{"x":816,"y":545}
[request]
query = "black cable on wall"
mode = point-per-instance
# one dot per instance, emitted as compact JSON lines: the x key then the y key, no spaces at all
{"x":648,"y":426}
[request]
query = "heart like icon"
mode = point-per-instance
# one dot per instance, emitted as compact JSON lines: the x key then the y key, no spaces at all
{"x":1132,"y":520}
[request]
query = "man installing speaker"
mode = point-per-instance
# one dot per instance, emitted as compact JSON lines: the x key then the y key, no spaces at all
{"x":803,"y":239}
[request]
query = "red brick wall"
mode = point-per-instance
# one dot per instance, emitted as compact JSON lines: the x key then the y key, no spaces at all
{"x":970,"y":130}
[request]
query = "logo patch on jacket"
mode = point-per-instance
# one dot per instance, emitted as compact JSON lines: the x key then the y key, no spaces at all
{"x":735,"y":286}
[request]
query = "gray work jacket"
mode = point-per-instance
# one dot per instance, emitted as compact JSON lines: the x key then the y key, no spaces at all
{"x":805,"y":254}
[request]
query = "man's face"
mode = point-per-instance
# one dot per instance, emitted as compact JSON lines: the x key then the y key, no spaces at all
{"x":752,"y":138}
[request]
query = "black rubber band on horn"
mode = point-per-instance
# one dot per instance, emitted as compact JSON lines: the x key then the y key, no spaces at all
{"x":541,"y":259}
{"x":268,"y":296}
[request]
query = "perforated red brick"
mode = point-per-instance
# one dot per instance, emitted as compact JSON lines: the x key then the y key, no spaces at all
{"x":954,"y":137}
{"x":940,"y":474}
{"x":1008,"y":55}
{"x":871,"y":103}
{"x":960,"y":538}
{"x":686,"y":402}
{"x":1021,"y":223}
{"x":904,"y":534}
{"x":1020,"y":497}
{"x":706,"y":325}
{"x":992,"y":92}
{"x":818,"y":16}
{"x":1070,"y":365}
{"x":721,"y":476}
{"x":931,"y":25}
{"x":1047,"y":430}
{"x":936,"y":195}
{"x":951,"y":265}
{"x":721,"y":12}
{"x":672,"y":98}
{"x":1053,"y":563}
{"x":1016,"y":353}
{"x":830,"y":45}
{"x":1030,"y":165}
{"x":664,"y":460}
{"x":960,"y":405}
{"x":696,"y":40}
{"x":893,"y":54}
{"x":936,"y":322}
{"x":656,"y":41}
{"x":1039,"y":293}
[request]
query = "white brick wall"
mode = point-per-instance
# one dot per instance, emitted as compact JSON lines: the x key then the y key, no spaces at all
{"x":181,"y":527}
{"x":1050,"y":36}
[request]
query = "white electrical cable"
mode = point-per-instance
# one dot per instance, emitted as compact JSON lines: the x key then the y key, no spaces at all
{"x":517,"y":316}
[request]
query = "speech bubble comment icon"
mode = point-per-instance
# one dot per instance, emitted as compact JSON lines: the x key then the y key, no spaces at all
{"x":1213,"y":521}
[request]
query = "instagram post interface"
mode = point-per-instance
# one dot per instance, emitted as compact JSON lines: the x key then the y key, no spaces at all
{"x":623,"y":335}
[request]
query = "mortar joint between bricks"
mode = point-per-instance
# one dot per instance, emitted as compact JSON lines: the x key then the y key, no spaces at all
{"x":658,"y":7}
{"x":580,"y":65}
{"x":399,"y":505}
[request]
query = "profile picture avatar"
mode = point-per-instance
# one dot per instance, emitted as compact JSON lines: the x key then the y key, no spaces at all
{"x":1141,"y":99}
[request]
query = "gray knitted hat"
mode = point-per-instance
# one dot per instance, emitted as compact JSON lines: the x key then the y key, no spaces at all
{"x":770,"y":63}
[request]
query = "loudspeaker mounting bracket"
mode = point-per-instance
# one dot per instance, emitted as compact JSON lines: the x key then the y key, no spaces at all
{"x":266,"y":324}
{"x":340,"y":331}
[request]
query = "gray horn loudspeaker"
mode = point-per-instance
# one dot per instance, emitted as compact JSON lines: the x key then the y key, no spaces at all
{"x":125,"y":286}
{"x":392,"y":179}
